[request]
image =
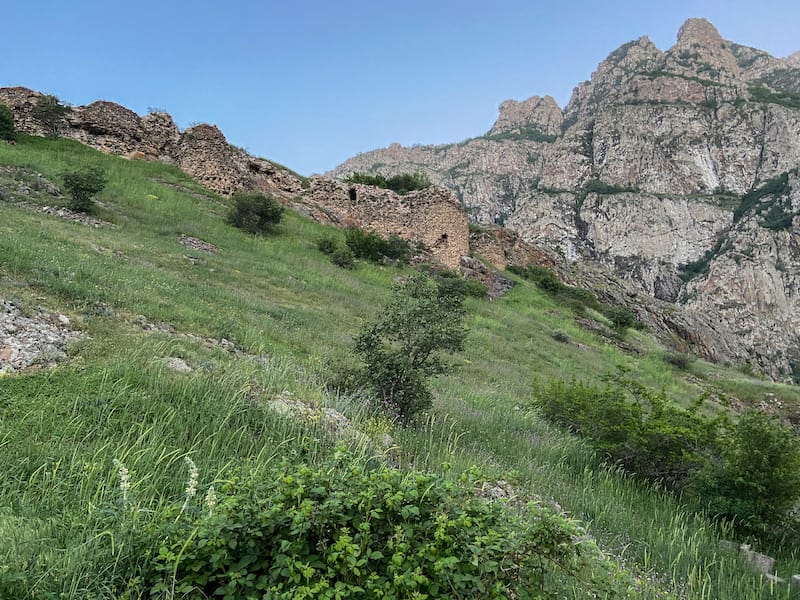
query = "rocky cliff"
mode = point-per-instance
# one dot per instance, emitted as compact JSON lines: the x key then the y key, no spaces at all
{"x":645,"y":171}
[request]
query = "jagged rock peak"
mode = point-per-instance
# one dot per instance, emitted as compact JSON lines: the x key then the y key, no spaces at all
{"x":793,"y":60}
{"x":701,"y":52}
{"x":632,"y":53}
{"x":698,"y":31}
{"x":542,"y":115}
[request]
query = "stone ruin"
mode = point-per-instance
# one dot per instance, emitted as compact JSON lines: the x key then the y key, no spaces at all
{"x":432,"y":216}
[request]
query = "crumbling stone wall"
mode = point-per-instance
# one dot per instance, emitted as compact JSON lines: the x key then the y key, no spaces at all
{"x":206,"y":156}
{"x":202,"y":152}
{"x":432,"y":216}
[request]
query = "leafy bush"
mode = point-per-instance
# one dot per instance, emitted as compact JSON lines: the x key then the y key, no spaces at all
{"x":365,"y":244}
{"x":343,"y":530}
{"x":452,"y":282}
{"x":621,"y":317}
{"x":371,"y":246}
{"x":7,"y":130}
{"x":634,"y":427}
{"x":396,"y":248}
{"x":543,"y":278}
{"x":254,"y":212}
{"x":51,"y":113}
{"x":756,"y":481}
{"x":403,"y":347}
{"x":746,"y":473}
{"x":679,"y":360}
{"x":327,"y":244}
{"x":82,"y":186}
{"x":401,"y":184}
{"x":343,"y":257}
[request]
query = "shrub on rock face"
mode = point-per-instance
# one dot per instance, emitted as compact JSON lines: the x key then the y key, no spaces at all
{"x":82,"y":186}
{"x":50,"y":112}
{"x":7,"y":130}
{"x":254,"y":213}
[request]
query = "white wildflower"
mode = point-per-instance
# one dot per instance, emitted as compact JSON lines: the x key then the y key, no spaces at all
{"x":191,"y":485}
{"x":124,"y":480}
{"x":210,"y":499}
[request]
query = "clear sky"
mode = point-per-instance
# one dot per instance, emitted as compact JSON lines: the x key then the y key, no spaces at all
{"x":309,"y":83}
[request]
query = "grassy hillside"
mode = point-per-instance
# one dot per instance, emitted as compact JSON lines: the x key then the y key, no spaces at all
{"x":291,"y":314}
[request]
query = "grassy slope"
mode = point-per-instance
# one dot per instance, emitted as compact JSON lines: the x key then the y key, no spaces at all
{"x":277,"y":297}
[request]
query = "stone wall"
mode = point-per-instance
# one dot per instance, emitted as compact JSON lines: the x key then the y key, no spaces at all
{"x":204,"y":154}
{"x":432,"y":216}
{"x":202,"y":151}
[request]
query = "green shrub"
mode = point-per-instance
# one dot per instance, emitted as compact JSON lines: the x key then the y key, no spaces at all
{"x":327,"y":244}
{"x":401,"y":184}
{"x":452,"y":282}
{"x":365,"y":244}
{"x":403,"y":347}
{"x":398,"y":249}
{"x":755,"y":483}
{"x":343,"y":530}
{"x":254,"y":212}
{"x":82,"y":186}
{"x":7,"y":130}
{"x":542,"y":277}
{"x":679,"y":360}
{"x":343,"y":257}
{"x":635,"y":427}
{"x":621,"y":317}
{"x":371,"y":246}
{"x":51,"y":113}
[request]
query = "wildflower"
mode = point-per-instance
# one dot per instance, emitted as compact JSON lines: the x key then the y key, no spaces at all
{"x":191,"y":485}
{"x":124,"y":480}
{"x":210,"y":499}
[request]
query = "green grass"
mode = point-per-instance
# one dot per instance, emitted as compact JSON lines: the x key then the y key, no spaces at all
{"x":281,"y":301}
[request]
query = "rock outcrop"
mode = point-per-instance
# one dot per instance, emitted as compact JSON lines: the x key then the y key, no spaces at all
{"x":641,"y":174}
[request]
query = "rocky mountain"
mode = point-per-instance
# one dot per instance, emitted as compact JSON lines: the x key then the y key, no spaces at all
{"x":673,"y":171}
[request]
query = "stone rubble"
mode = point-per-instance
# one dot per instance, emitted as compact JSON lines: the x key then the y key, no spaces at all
{"x":39,"y":340}
{"x":198,"y":244}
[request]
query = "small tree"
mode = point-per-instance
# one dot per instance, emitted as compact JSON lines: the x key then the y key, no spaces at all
{"x":7,"y":131}
{"x":404,"y":347}
{"x":50,"y":112}
{"x":82,"y":185}
{"x":254,"y":212}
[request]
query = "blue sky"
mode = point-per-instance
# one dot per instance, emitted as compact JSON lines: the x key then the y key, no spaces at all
{"x":310,"y":83}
